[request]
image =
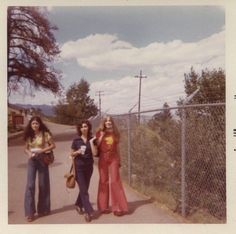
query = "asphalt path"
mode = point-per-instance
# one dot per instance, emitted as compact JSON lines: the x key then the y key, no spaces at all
{"x":142,"y":210}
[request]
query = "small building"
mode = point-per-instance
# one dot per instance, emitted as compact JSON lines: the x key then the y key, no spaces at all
{"x":16,"y":116}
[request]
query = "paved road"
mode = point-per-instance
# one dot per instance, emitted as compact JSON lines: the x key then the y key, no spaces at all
{"x":142,"y":209}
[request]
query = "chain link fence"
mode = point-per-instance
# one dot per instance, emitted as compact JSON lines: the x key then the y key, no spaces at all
{"x":177,"y":156}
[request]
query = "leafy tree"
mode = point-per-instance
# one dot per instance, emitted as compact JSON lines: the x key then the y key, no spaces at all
{"x":31,"y":51}
{"x":163,"y":115}
{"x":205,"y":166}
{"x":161,"y":120}
{"x":206,"y":126}
{"x":211,"y":86}
{"x":77,"y":105}
{"x":168,"y":129}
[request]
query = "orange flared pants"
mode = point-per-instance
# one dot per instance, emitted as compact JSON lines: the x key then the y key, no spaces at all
{"x":109,"y":167}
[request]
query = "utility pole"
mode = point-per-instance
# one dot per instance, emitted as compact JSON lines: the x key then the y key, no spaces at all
{"x":140,"y":76}
{"x":99,"y":94}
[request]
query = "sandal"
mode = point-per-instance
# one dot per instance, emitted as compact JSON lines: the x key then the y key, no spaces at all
{"x":30,"y":219}
{"x":87,"y":217}
{"x":106,"y":211}
{"x":79,"y":210}
{"x":118,"y":213}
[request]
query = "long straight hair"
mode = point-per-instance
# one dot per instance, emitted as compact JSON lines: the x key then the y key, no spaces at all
{"x":102,"y":127}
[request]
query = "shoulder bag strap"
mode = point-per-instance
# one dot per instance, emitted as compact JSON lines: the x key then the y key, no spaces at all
{"x":72,"y":169}
{"x":43,"y":139}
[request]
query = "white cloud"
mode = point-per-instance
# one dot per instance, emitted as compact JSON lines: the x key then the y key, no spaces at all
{"x":105,"y":52}
{"x":120,"y":95}
{"x":93,"y":46}
{"x":163,"y":63}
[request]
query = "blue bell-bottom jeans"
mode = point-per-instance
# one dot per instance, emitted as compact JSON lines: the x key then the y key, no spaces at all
{"x":43,"y":205}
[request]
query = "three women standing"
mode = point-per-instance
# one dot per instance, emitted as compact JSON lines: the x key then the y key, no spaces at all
{"x":38,"y":140}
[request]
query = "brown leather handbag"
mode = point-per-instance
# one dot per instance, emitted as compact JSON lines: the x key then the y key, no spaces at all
{"x":48,"y":158}
{"x":70,"y":176}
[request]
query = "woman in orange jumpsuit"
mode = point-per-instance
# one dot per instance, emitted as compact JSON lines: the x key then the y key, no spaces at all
{"x":109,"y":162}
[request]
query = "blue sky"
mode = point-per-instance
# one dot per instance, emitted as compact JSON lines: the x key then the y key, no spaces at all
{"x":108,"y":46}
{"x":139,"y":25}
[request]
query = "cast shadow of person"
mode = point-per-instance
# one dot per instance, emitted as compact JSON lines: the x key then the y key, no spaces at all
{"x":69,"y":208}
{"x":135,"y":204}
{"x":132,"y":207}
{"x":62,"y":209}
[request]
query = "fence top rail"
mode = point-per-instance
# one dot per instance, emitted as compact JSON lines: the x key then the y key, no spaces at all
{"x":172,"y":108}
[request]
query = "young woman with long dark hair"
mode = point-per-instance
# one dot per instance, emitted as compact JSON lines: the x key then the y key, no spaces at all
{"x":82,"y":150}
{"x":38,"y":140}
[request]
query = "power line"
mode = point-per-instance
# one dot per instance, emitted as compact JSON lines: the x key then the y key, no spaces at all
{"x":177,"y":94}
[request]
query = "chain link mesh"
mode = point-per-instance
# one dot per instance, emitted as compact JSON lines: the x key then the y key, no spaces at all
{"x":152,"y":158}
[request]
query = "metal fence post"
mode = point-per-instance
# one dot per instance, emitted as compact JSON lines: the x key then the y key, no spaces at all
{"x":194,"y":137}
{"x":183,"y":159}
{"x":129,"y":150}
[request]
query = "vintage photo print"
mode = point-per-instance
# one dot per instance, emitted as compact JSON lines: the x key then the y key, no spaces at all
{"x":133,"y":101}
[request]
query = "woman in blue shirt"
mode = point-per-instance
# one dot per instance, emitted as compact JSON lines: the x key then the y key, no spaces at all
{"x":82,"y":150}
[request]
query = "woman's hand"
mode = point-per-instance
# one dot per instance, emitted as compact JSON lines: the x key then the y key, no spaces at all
{"x":92,"y":140}
{"x":36,"y":153}
{"x":40,"y":151}
{"x":31,"y":154}
{"x":75,"y":153}
{"x":93,"y":145}
{"x":102,"y":133}
{"x":78,"y":152}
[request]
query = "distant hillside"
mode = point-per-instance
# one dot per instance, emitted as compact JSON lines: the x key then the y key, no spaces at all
{"x":46,"y":109}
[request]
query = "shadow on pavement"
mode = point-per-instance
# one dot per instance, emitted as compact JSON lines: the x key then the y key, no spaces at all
{"x":134,"y":205}
{"x":62,"y":209}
